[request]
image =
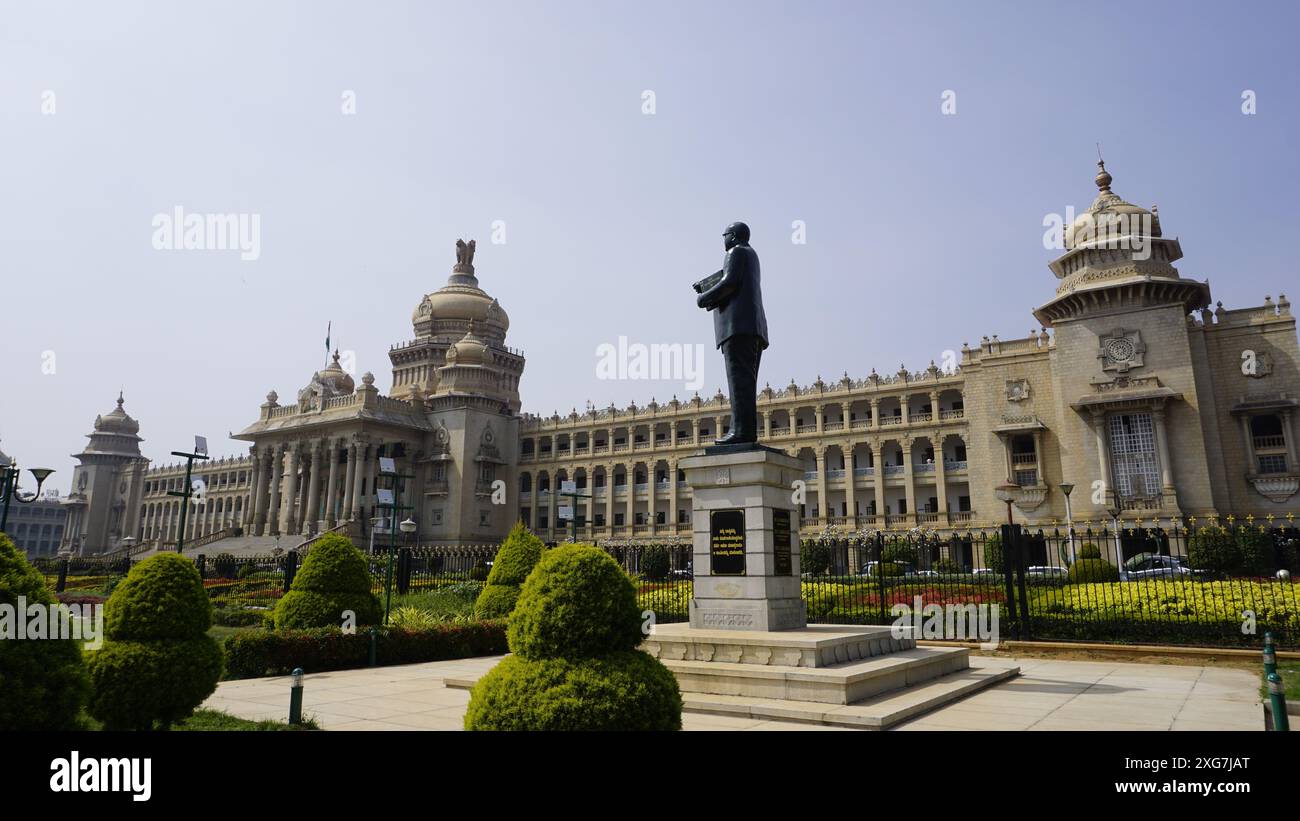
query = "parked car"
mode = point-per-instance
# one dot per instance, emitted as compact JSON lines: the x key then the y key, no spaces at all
{"x":1047,"y":571}
{"x":986,"y":574}
{"x":1152,"y":566}
{"x":869,"y":569}
{"x":681,"y":574}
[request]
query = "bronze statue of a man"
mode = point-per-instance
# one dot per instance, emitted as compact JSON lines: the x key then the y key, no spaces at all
{"x":739,"y":328}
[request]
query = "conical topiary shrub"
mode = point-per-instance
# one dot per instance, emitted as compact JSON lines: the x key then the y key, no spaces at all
{"x":43,"y":682}
{"x":575,"y":666}
{"x":515,"y":559}
{"x":333,"y":579}
{"x":158,"y":662}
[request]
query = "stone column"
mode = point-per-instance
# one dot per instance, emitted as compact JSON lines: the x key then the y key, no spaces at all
{"x":1289,"y":436}
{"x":823,"y":495}
{"x":767,"y":433}
{"x":1162,"y":450}
{"x":903,"y":402}
{"x":672,"y":497}
{"x":629,"y":517}
{"x":290,"y":495}
{"x":878,"y":471}
{"x":250,"y":512}
{"x":819,"y":413}
{"x":1038,"y":454}
{"x":304,"y":484}
{"x":270,"y":524}
{"x":875,"y":417}
{"x":312,"y":514}
{"x":909,"y":486}
{"x":1103,"y":449}
{"x":349,"y":482}
{"x":1252,"y":462}
{"x":940,"y":477}
{"x":609,"y":495}
{"x":695,"y":431}
{"x":332,"y":486}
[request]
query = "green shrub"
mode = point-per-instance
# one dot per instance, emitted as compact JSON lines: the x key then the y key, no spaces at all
{"x":333,"y":579}
{"x":1213,"y":549}
{"x":496,"y":601}
{"x":814,"y":558}
{"x":515,"y":559}
{"x":1255,"y":547}
{"x":575,"y":666}
{"x":578,"y":603}
{"x":245,"y":570}
{"x":1089,"y":551}
{"x":627,"y":690}
{"x":1092,"y":570}
{"x":899,"y":551}
{"x":480,"y":572}
{"x":238,"y":616}
{"x":157,"y":663}
{"x":947,"y":567}
{"x":993,"y":556}
{"x":255,"y":654}
{"x":655,"y":563}
{"x":43,"y":684}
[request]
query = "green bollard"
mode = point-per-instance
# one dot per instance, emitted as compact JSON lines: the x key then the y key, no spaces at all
{"x":1277,"y":702}
{"x":295,"y":697}
{"x":1270,"y":655}
{"x":374,"y":646}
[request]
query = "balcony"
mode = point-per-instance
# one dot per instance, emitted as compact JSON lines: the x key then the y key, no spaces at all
{"x":833,"y":426}
{"x":600,"y":449}
{"x":954,"y":464}
{"x":949,"y":415}
{"x":927,"y":518}
{"x":806,"y":429}
{"x":886,"y":421}
{"x":835,"y":474}
{"x":809,"y":475}
{"x":1270,"y":442}
{"x":1024,"y":460}
{"x":920,"y":417}
{"x":861,"y":424}
{"x":923,"y":467}
{"x":864,"y":471}
{"x":961,"y":517}
{"x":893,"y":470}
{"x":642,"y":487}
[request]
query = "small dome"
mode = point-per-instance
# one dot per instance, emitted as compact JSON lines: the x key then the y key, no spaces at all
{"x":461,"y":299}
{"x":337,"y":380}
{"x":1109,"y":218}
{"x":117,"y":421}
{"x":470,"y":350}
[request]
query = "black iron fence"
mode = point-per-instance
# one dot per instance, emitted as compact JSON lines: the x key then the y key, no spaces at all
{"x":1213,"y":583}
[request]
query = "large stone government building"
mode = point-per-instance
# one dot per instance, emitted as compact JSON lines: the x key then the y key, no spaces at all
{"x":1136,"y":391}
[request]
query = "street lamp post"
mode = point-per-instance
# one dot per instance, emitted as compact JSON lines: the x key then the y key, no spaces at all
{"x":9,"y":488}
{"x":390,"y":499}
{"x":1114,"y":508}
{"x":200,"y":452}
{"x":1006,"y":492}
{"x":1066,"y":488}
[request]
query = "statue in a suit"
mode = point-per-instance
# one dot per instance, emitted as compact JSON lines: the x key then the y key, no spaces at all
{"x":739,"y":328}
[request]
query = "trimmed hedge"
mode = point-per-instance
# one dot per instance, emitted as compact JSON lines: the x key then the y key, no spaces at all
{"x":1092,"y":570}
{"x":333,"y":579}
{"x":578,"y":603}
{"x":43,"y":684}
{"x":515,"y":559}
{"x":256,"y":654}
{"x":628,"y":690}
{"x":575,"y":666}
{"x":158,"y":663}
{"x":656,"y":563}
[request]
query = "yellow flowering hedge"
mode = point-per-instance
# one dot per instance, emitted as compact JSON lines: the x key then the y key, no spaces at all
{"x":1274,"y":603}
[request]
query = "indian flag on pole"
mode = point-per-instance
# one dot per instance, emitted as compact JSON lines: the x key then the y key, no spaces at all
{"x":328,"y":326}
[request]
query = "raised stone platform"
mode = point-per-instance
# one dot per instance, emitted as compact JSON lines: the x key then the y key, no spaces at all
{"x":807,"y":674}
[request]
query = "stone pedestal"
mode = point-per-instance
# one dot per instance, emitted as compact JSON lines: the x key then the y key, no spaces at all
{"x":746,"y":541}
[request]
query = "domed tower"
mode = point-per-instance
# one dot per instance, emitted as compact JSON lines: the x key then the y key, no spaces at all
{"x":441,"y":320}
{"x":107,"y":485}
{"x":1126,"y":368}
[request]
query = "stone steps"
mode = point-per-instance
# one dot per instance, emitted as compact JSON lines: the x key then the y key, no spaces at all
{"x":877,"y":713}
{"x":844,"y":683}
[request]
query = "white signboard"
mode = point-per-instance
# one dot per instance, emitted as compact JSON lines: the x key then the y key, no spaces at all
{"x":568,"y":487}
{"x":384,"y":495}
{"x":386,"y":465}
{"x":565,"y":513}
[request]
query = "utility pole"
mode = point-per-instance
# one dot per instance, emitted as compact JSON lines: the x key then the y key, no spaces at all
{"x":200,"y":452}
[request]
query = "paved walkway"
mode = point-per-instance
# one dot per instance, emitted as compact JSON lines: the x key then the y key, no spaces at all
{"x":1048,"y":695}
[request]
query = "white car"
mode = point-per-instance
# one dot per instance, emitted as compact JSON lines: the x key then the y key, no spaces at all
{"x":1047,"y":571}
{"x":1154,"y":567}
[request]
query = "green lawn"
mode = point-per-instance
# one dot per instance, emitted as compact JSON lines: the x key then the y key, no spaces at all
{"x":1290,"y":673}
{"x":218,"y":721}
{"x":221,"y":633}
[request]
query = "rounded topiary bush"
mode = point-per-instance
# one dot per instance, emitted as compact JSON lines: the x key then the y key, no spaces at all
{"x":1214,"y":549}
{"x":333,"y":579}
{"x":577,"y":603}
{"x":574,"y":634}
{"x":1089,"y":551}
{"x":628,"y":690}
{"x":158,"y":663}
{"x":814,"y":558}
{"x":515,"y":559}
{"x":43,"y":682}
{"x":1084,"y":571}
{"x":994,"y":558}
{"x":496,"y":601}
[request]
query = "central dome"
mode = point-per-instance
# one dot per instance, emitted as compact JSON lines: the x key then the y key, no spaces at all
{"x":460,"y":302}
{"x":1110,"y":218}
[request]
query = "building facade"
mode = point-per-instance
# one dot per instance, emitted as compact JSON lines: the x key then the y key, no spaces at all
{"x":1136,"y":393}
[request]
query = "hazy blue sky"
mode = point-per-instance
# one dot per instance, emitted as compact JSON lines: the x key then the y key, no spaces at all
{"x":923,"y":230}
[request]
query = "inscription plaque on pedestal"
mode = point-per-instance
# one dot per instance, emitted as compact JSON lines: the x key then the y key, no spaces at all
{"x":782,"y":539}
{"x":727,"y":543}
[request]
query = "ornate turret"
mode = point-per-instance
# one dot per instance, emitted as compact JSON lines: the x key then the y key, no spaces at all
{"x":1115,"y":255}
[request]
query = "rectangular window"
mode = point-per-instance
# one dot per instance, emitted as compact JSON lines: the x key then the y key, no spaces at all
{"x":1133,"y":455}
{"x":1274,"y":463}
